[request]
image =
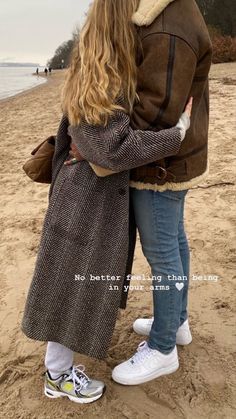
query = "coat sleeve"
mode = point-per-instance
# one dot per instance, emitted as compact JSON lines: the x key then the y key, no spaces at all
{"x":118,"y":147}
{"x":165,"y":76}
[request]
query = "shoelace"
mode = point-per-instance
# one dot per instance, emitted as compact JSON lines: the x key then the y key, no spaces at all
{"x":79,"y":378}
{"x":143,"y":351}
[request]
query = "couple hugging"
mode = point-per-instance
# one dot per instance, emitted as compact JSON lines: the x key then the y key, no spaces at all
{"x":126,"y":155}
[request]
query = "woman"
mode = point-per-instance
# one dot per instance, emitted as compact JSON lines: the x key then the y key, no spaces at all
{"x":87,"y":241}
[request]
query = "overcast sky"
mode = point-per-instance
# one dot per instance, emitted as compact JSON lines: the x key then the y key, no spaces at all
{"x":31,"y":30}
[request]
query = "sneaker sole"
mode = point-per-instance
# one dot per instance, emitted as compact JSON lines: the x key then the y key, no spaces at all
{"x":184,"y":342}
{"x":56,"y":394}
{"x":178,"y":342}
{"x":142,"y":332}
{"x":164,"y":371}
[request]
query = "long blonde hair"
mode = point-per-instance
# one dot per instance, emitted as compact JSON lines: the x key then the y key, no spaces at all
{"x":103,"y":63}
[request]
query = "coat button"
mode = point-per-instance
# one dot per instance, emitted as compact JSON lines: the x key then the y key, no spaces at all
{"x":122,"y":191}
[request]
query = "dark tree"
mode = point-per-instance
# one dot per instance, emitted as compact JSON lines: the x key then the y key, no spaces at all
{"x":62,"y":56}
{"x":220,"y":14}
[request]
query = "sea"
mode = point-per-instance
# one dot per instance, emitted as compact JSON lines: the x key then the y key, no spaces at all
{"x":14,"y":80}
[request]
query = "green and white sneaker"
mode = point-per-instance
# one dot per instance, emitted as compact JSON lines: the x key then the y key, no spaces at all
{"x":75,"y":385}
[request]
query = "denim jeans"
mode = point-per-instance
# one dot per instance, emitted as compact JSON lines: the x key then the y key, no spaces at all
{"x":160,"y":221}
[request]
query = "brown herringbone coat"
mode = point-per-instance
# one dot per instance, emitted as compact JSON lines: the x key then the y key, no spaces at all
{"x":88,"y":231}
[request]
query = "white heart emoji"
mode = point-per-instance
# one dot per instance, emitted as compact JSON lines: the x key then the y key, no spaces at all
{"x":179,"y":286}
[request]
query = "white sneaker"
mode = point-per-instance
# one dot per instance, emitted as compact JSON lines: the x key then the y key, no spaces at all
{"x":75,"y":385}
{"x":183,"y":335}
{"x":145,"y":365}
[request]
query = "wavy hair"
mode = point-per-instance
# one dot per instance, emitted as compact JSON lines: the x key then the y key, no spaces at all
{"x":103,"y":64}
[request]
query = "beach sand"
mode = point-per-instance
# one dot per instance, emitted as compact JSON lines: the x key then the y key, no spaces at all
{"x":204,"y":385}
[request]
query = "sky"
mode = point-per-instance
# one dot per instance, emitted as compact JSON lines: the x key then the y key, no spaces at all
{"x":31,"y":30}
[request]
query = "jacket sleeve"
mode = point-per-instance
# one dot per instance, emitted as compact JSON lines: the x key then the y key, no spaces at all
{"x":118,"y":147}
{"x":165,"y":77}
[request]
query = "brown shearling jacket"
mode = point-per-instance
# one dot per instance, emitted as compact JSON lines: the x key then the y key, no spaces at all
{"x":174,"y":65}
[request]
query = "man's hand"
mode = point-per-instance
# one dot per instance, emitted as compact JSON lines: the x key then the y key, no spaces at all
{"x":75,"y":156}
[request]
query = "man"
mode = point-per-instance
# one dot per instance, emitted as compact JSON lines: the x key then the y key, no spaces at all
{"x":174,"y":65}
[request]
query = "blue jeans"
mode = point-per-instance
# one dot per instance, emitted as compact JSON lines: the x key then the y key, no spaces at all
{"x":160,"y":220}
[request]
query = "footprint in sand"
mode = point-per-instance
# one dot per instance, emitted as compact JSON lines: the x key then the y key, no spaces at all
{"x":198,"y":244}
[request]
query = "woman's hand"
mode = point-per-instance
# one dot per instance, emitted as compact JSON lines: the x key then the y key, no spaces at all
{"x":184,"y":121}
{"x":75,"y":156}
{"x":188,"y":109}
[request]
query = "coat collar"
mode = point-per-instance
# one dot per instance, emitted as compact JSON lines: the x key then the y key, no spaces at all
{"x":148,"y":11}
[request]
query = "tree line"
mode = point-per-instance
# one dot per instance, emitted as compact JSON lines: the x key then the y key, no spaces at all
{"x":220,"y":15}
{"x":61,"y":58}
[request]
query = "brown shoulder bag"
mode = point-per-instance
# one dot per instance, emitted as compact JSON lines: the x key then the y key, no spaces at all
{"x":39,"y":166}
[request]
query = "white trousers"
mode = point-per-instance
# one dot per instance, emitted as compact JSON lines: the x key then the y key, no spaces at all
{"x":58,"y":359}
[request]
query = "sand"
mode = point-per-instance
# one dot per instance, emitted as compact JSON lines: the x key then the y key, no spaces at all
{"x":204,"y":385}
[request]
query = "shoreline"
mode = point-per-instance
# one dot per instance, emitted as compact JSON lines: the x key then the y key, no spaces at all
{"x":29,"y":90}
{"x":24,"y":92}
{"x":60,"y":73}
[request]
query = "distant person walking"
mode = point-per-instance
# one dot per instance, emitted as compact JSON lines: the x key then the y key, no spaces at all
{"x":50,"y":70}
{"x":46,"y":71}
{"x":37,"y":71}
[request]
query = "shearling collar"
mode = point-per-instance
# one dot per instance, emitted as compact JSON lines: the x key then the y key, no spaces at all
{"x":148,"y":11}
